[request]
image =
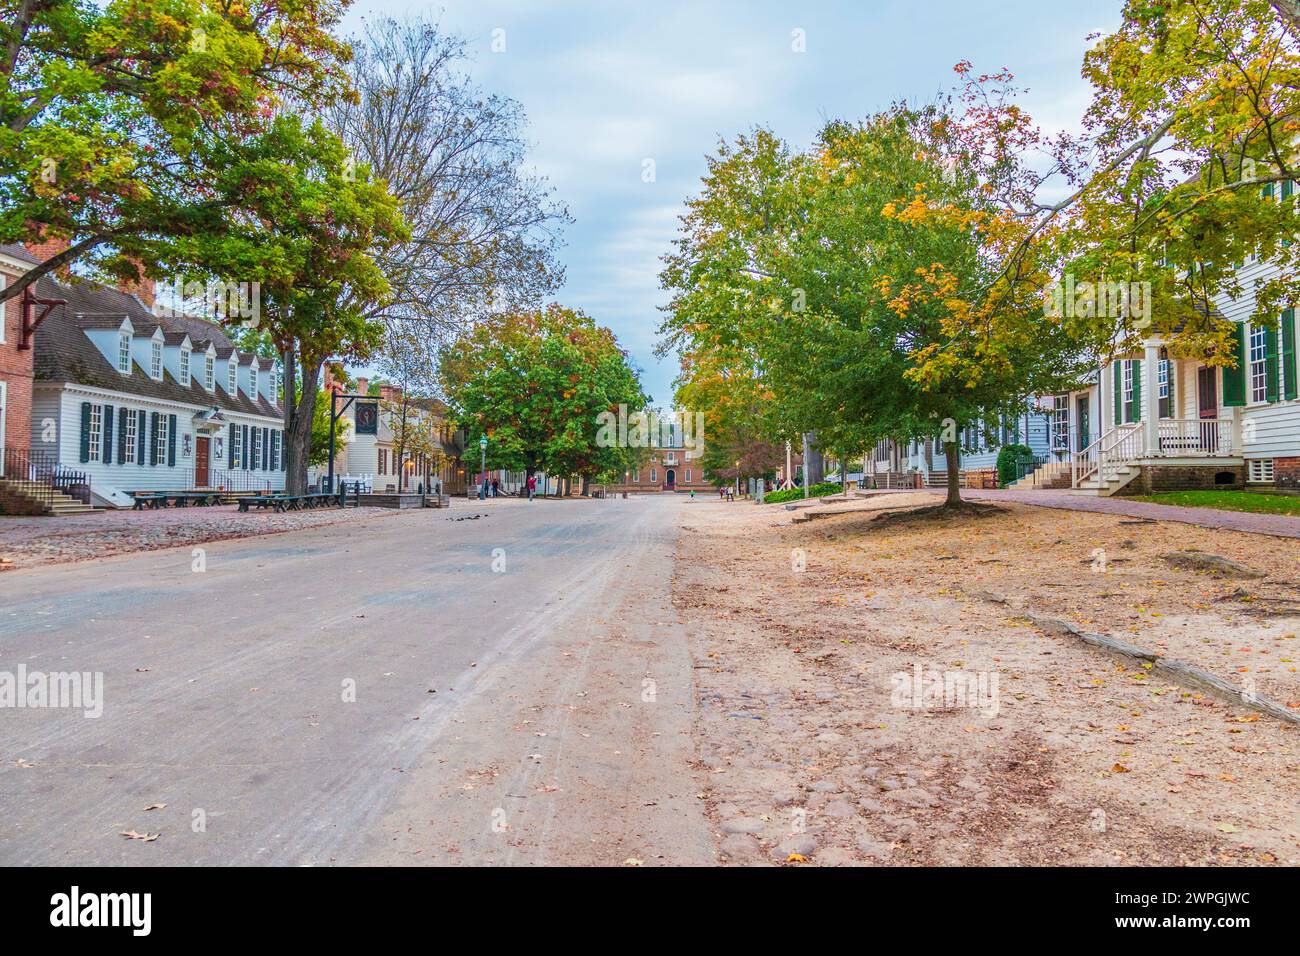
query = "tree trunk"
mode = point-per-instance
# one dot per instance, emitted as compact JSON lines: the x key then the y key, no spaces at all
{"x":953,"y":457}
{"x":586,"y":486}
{"x":297,"y":432}
{"x":814,"y":469}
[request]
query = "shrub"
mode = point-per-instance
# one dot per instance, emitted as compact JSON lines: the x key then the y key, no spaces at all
{"x":794,"y":494}
{"x":1008,"y":459}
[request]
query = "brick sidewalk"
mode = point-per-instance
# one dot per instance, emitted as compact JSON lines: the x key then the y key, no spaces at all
{"x":48,"y":540}
{"x":1283,"y":526}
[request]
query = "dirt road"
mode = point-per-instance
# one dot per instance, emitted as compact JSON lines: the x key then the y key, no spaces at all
{"x":816,"y":634}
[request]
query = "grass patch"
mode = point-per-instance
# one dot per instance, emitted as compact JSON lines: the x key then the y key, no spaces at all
{"x":1252,"y":501}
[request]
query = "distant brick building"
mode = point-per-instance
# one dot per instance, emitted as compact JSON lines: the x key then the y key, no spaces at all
{"x":671,"y":467}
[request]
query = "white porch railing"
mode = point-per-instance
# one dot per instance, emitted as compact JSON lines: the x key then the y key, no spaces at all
{"x":1120,"y":444}
{"x":1195,"y":437}
{"x":1177,"y":437}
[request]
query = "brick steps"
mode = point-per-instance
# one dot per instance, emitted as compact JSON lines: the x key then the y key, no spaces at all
{"x":28,"y":497}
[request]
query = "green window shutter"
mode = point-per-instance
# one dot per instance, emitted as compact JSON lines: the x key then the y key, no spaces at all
{"x":141,"y":437}
{"x":1234,"y":379}
{"x":1137,"y":391}
{"x":1117,"y":379}
{"x":85,"y":431}
{"x":122,"y":415}
{"x":171,"y":440}
{"x":1288,"y":187}
{"x":108,"y":434}
{"x":1270,"y":365}
{"x":1288,"y":352}
{"x":153,"y":438}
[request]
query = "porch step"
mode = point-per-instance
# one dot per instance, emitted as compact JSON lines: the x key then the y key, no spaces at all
{"x":29,"y":497}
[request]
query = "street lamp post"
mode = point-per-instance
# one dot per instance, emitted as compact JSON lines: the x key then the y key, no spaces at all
{"x":482,"y":483}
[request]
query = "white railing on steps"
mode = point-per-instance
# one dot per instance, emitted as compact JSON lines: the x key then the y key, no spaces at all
{"x":1120,"y":444}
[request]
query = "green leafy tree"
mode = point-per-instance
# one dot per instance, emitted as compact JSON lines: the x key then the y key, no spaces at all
{"x":109,"y":115}
{"x":535,"y":383}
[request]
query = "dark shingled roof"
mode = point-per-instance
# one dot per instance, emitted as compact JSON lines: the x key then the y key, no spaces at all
{"x":63,"y":353}
{"x":18,"y":251}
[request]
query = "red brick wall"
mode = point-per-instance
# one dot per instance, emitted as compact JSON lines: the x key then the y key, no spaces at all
{"x":16,"y":373}
{"x":1154,"y":478}
{"x":1286,"y":473}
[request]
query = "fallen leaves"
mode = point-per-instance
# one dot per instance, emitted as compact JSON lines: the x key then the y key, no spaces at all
{"x":142,"y":837}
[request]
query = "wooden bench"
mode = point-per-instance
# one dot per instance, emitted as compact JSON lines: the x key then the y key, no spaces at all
{"x":204,"y":499}
{"x":263,"y":502}
{"x":153,"y":500}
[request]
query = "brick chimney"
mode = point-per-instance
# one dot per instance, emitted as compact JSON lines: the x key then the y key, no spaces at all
{"x":142,"y":288}
{"x":390,"y":393}
{"x":363,"y":386}
{"x":47,"y":248}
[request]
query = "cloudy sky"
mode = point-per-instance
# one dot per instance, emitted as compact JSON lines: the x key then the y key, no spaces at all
{"x":609,"y":85}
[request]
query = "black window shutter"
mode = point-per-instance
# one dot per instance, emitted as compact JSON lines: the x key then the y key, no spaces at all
{"x":108,"y":434}
{"x":153,"y":438}
{"x":230,"y":447}
{"x":121,"y":434}
{"x":85,"y":431}
{"x":171,"y":440}
{"x":243,"y":448}
{"x":266,"y":449}
{"x":141,"y":436}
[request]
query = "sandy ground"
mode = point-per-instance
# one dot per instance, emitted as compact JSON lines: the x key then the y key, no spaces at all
{"x":813,"y":748}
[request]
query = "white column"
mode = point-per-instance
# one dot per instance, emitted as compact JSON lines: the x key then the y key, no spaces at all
{"x":1151,"y":398}
{"x":1105,"y":414}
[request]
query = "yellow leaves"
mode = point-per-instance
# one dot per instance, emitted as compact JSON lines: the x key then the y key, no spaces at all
{"x":796,"y":858}
{"x":1120,"y":768}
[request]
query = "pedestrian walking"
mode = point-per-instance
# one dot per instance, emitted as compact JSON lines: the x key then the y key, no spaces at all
{"x":532,"y":486}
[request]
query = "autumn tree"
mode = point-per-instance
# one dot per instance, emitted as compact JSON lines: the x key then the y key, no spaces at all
{"x":109,"y":114}
{"x":535,"y":383}
{"x":866,"y":279}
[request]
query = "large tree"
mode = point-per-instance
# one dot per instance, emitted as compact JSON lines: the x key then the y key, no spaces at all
{"x":108,"y":116}
{"x":484,"y":231}
{"x":536,"y":384}
{"x":1184,"y":169}
{"x":866,"y":277}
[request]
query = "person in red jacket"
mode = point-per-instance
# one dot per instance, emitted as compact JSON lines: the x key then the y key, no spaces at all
{"x":532,"y":486}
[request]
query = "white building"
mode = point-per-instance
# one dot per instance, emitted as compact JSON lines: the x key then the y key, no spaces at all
{"x":146,"y":402}
{"x":1163,"y":423}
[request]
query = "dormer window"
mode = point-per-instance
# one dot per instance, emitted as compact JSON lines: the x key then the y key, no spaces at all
{"x":124,"y":353}
{"x":232,"y":379}
{"x":252,"y":381}
{"x":210,"y":372}
{"x":155,"y":361}
{"x":273,"y":384}
{"x":185,"y":367}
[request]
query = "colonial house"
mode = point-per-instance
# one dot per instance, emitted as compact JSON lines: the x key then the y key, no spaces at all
{"x":1169,"y":423}
{"x":371,"y":453}
{"x":922,"y":459}
{"x":138,"y":401}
